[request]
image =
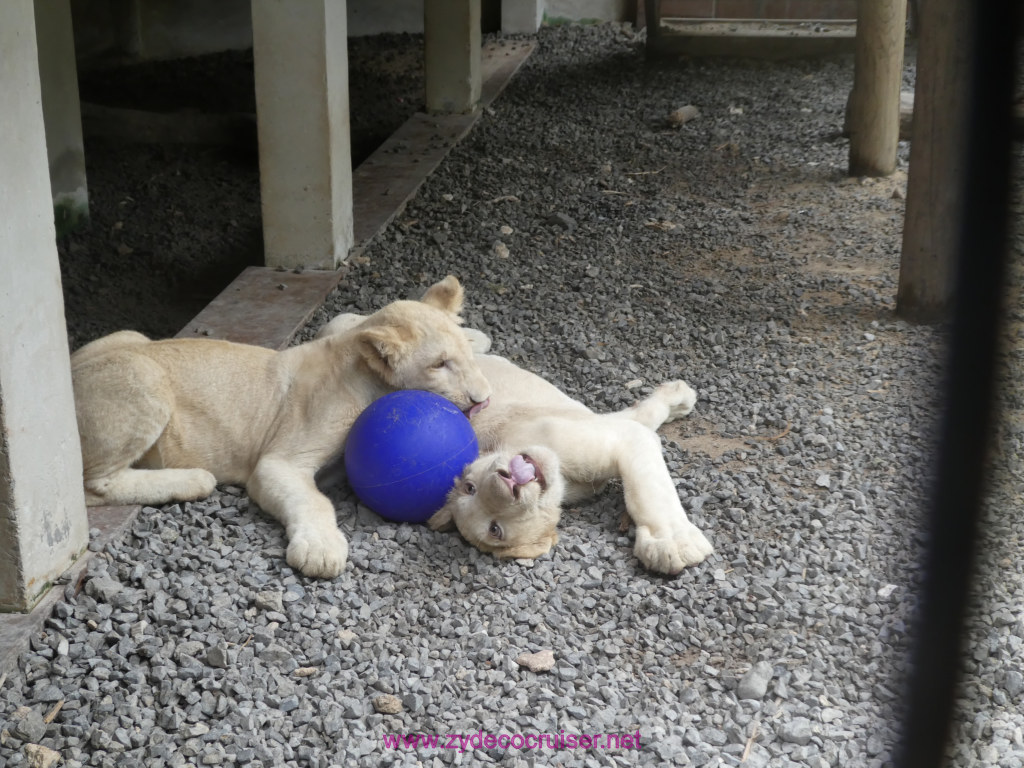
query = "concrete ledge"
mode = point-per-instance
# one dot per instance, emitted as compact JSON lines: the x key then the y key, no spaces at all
{"x":263,"y":306}
{"x":752,"y":38}
{"x":390,"y":177}
{"x":16,"y":629}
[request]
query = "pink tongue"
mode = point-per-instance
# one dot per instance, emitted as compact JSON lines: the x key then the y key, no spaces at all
{"x":477,"y":407}
{"x":521,"y":470}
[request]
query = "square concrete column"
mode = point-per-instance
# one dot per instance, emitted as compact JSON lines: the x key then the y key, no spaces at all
{"x":521,"y":16}
{"x":300,"y":50}
{"x":452,"y":55}
{"x":43,"y":525}
{"x":62,"y":114}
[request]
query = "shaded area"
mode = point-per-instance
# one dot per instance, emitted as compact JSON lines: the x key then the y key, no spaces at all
{"x":172,"y":224}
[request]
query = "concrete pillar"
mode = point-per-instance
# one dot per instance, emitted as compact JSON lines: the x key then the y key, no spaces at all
{"x":521,"y":16}
{"x":300,"y":50}
{"x":62,"y":113}
{"x":43,"y":525}
{"x":452,"y":54}
{"x":877,"y":75}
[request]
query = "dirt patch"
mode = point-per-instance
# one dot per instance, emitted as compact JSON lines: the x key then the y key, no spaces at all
{"x":712,"y":445}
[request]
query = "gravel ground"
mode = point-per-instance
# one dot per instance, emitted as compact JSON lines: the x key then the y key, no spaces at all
{"x":599,"y":246}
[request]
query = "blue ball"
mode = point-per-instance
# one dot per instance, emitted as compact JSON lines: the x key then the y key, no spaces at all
{"x":404,"y":452}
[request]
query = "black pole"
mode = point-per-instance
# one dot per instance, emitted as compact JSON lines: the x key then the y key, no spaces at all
{"x":955,"y":508}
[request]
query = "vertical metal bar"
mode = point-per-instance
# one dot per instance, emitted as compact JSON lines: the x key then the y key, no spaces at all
{"x":957,"y":499}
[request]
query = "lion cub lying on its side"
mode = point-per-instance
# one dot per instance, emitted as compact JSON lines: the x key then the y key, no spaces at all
{"x":540,"y":449}
{"x":164,"y":421}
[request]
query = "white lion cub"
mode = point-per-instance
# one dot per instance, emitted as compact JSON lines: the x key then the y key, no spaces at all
{"x":164,"y":421}
{"x":540,"y":449}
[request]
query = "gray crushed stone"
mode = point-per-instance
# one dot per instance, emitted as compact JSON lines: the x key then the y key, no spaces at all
{"x":730,"y":251}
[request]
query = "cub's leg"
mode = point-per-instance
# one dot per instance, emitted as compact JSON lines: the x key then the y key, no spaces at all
{"x":670,"y":401}
{"x":288,"y":492}
{"x":123,"y":404}
{"x":598,"y":448}
{"x":666,"y":540}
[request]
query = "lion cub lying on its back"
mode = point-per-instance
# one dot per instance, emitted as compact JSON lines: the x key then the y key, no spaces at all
{"x":164,"y":421}
{"x":540,"y":449}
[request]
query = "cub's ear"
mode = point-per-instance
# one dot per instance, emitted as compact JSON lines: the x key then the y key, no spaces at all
{"x":446,"y":295}
{"x":530,"y":550}
{"x":442,"y":520}
{"x":384,"y":347}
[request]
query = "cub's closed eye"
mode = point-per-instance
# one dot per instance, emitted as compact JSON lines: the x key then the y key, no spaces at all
{"x":496,"y":532}
{"x":441,"y":363}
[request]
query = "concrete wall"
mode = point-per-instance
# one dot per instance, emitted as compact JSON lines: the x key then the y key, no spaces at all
{"x":167,"y":29}
{"x":600,"y":10}
{"x":160,"y":29}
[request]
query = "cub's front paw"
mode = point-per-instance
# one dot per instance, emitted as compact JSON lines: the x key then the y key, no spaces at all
{"x":321,"y":554}
{"x":679,"y":397}
{"x":479,"y":341}
{"x":671,"y":551}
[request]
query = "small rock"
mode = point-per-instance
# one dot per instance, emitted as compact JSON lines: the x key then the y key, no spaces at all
{"x":875,"y":745}
{"x":352,"y":709}
{"x":412,"y":702}
{"x":103,"y":588}
{"x":823,"y":480}
{"x":39,"y":756}
{"x":884,"y":593}
{"x":831,"y":714}
{"x":195,"y":730}
{"x":275,"y":653}
{"x":346,"y":637}
{"x":500,"y":249}
{"x":269,"y":600}
{"x":1013,"y":683}
{"x":754,"y":684}
{"x":683,"y":115}
{"x":28,"y":724}
{"x":796,"y":731}
{"x":386,"y":704}
{"x":217,"y":657}
{"x":714,"y":736}
{"x":541,"y":661}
